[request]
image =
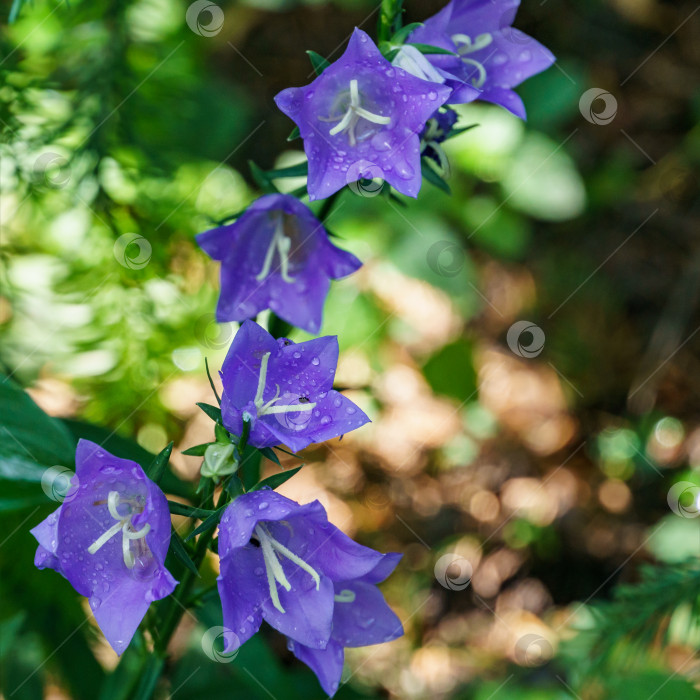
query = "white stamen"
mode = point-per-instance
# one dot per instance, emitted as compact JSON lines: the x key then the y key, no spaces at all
{"x":273,"y":568}
{"x":282,"y":244}
{"x":345,"y":596}
{"x":124,"y":524}
{"x":467,"y":46}
{"x":267,"y":409}
{"x":353,"y":114}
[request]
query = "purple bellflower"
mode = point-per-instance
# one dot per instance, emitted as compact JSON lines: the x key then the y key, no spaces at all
{"x":285,"y":390}
{"x":277,"y":255}
{"x":109,"y":539}
{"x":361,"y":618}
{"x":361,"y":119}
{"x":493,"y":57}
{"x":284,"y":563}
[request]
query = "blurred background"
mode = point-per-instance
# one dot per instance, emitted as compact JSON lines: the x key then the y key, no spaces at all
{"x":526,"y":348}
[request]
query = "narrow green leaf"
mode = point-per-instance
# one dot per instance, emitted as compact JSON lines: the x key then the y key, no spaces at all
{"x":221,"y":434}
{"x":318,"y":62}
{"x":270,"y":454}
{"x":197,"y":450}
{"x":180,"y":551}
{"x":428,"y":49}
{"x":189,"y":511}
{"x":211,"y":381}
{"x":298,"y":170}
{"x":460,"y":130}
{"x":294,"y":135}
{"x":158,"y":466}
{"x":261,"y":178}
{"x":403,"y":33}
{"x":208,"y":523}
{"x":214,"y":412}
{"x":276,"y":479}
{"x":433,"y":178}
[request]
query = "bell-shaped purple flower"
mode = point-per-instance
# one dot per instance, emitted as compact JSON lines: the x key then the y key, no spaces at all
{"x":285,"y":390}
{"x":361,"y":119}
{"x":493,"y":57}
{"x":361,"y":618}
{"x":109,"y":539}
{"x":277,"y":256}
{"x":284,"y":563}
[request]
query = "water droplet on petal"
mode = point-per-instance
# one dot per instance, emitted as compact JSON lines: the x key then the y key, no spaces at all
{"x":315,"y":361}
{"x":263,"y":506}
{"x":325,"y":420}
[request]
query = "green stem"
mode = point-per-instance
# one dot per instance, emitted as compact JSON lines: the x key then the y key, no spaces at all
{"x":389,"y":19}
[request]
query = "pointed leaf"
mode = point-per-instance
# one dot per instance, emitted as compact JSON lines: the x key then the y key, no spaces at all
{"x":276,"y":479}
{"x":180,"y":551}
{"x":433,"y":178}
{"x":214,"y":412}
{"x":294,"y":135}
{"x":158,"y":466}
{"x":197,"y":450}
{"x":189,"y":511}
{"x":208,"y":524}
{"x":318,"y":62}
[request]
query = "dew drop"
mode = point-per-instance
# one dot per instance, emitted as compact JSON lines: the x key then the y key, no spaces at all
{"x":263,"y":506}
{"x":432,"y":95}
{"x":525,"y":56}
{"x":315,"y":361}
{"x":325,"y":420}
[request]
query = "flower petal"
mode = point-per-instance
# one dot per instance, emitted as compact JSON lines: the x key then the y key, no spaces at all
{"x":367,"y":619}
{"x":326,"y":663}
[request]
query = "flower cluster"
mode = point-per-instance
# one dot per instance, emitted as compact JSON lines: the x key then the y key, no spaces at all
{"x":376,"y":112}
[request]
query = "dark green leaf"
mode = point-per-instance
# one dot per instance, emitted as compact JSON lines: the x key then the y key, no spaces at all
{"x":294,"y":135}
{"x":460,"y":130}
{"x":214,"y":412}
{"x":298,"y":170}
{"x":197,"y":450}
{"x":157,"y":468}
{"x":276,"y":479}
{"x":211,"y":381}
{"x":270,"y":454}
{"x":221,"y":434}
{"x":433,"y":178}
{"x":208,"y":523}
{"x":188,"y":511}
{"x":318,"y":62}
{"x":180,"y":551}
{"x":403,"y":33}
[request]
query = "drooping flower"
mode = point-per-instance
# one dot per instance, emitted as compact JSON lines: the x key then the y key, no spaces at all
{"x":277,"y":256}
{"x":285,"y":390}
{"x":361,"y":617}
{"x":284,"y":563}
{"x":360,"y":119}
{"x":493,"y":57}
{"x":109,"y":539}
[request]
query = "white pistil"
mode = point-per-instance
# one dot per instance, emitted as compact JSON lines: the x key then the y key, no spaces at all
{"x":125,"y":525}
{"x":282,"y":244}
{"x":268,"y":408}
{"x":273,"y":568}
{"x":345,"y":596}
{"x":353,"y":114}
{"x":467,"y":46}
